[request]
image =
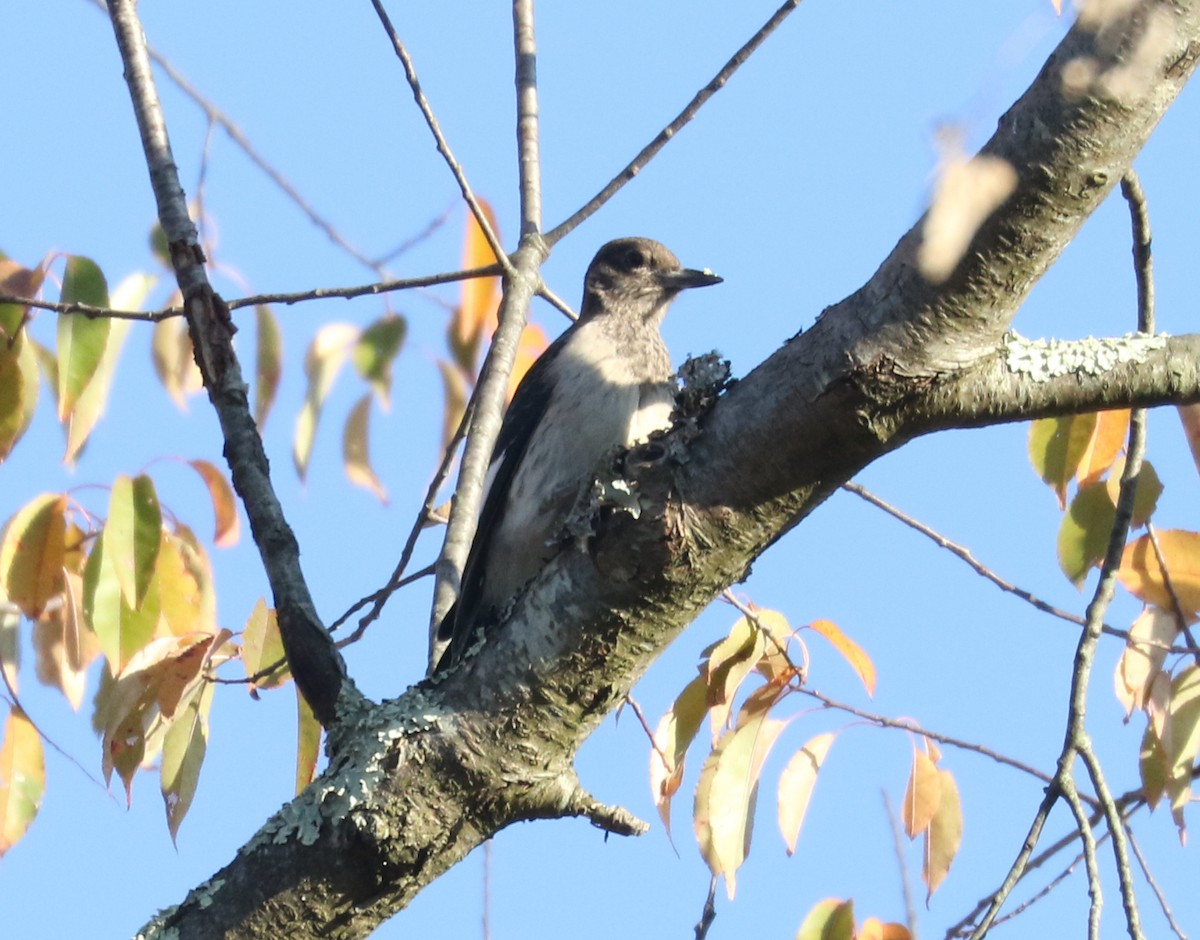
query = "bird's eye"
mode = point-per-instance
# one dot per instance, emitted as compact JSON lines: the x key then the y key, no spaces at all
{"x":634,"y":259}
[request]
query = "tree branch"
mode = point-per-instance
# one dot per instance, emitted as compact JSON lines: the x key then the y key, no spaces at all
{"x":315,"y":663}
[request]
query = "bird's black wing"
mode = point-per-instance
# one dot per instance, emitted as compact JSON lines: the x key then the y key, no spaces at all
{"x":524,"y":414}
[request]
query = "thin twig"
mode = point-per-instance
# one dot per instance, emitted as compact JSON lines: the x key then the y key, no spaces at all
{"x":89,"y":310}
{"x":218,"y":117}
{"x":381,"y":287}
{"x":528,"y":147}
{"x":650,"y":151}
{"x":443,"y":146}
{"x":964,"y":554}
{"x":884,"y":722}
{"x":709,"y":913}
{"x":910,"y":909}
{"x":1164,"y":906}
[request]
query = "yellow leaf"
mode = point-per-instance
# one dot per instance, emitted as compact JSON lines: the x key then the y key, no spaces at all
{"x":356,"y":457}
{"x":1144,"y":656}
{"x":875,"y":929}
{"x":184,"y":747}
{"x":831,"y":919}
{"x":944,"y":835}
{"x":308,"y":742}
{"x":322,"y":362}
{"x":262,"y":646}
{"x":1148,"y":488}
{"x":675,"y":733}
{"x":727,"y":793}
{"x":796,"y":786}
{"x":227,"y":525}
{"x":174,"y":363}
{"x":22,"y":778}
{"x":854,"y":654}
{"x":1142,"y":575}
{"x":268,"y":363}
{"x":1108,"y":438}
{"x":729,"y":662}
{"x":32,"y":553}
{"x":922,"y":795}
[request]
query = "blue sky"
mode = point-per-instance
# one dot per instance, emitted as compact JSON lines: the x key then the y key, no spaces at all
{"x":793,"y":184}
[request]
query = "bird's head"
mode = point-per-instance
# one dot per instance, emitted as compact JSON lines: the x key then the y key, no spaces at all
{"x":637,"y":277}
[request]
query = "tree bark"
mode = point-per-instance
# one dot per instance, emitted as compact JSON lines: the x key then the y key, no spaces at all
{"x":415,"y":783}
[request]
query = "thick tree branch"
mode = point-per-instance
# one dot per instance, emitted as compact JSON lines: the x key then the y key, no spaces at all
{"x":315,"y":663}
{"x":491,"y":742}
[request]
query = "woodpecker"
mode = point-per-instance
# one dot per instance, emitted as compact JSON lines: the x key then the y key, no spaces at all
{"x":606,"y":383}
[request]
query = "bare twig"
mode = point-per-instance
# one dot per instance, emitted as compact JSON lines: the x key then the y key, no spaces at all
{"x":963,"y":553}
{"x":218,"y":117}
{"x":910,"y":909}
{"x":443,"y":146}
{"x":884,"y":722}
{"x":382,"y":287}
{"x":650,"y":151}
{"x":1163,"y":905}
{"x":709,"y":912}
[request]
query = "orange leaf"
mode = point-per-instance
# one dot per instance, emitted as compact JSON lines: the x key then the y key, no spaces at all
{"x":1142,"y":575}
{"x":356,"y":456}
{"x":1108,"y":437}
{"x":796,"y":786}
{"x":944,"y":836}
{"x":63,"y":646}
{"x":1189,"y":417}
{"x":220,"y":493}
{"x":854,"y":654}
{"x":922,"y":795}
{"x":476,"y":317}
{"x":22,"y":778}
{"x":32,"y":553}
{"x":533,"y":343}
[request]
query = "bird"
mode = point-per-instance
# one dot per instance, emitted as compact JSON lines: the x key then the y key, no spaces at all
{"x":604,"y":384}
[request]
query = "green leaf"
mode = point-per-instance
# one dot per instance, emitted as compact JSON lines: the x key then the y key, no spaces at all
{"x":81,"y":340}
{"x":121,"y":630}
{"x":1145,"y":499}
{"x":376,"y":348}
{"x":1056,"y":446}
{"x":1084,"y":533}
{"x":132,"y":536}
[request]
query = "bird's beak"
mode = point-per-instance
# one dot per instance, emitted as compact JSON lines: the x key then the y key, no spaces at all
{"x":683,"y":278}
